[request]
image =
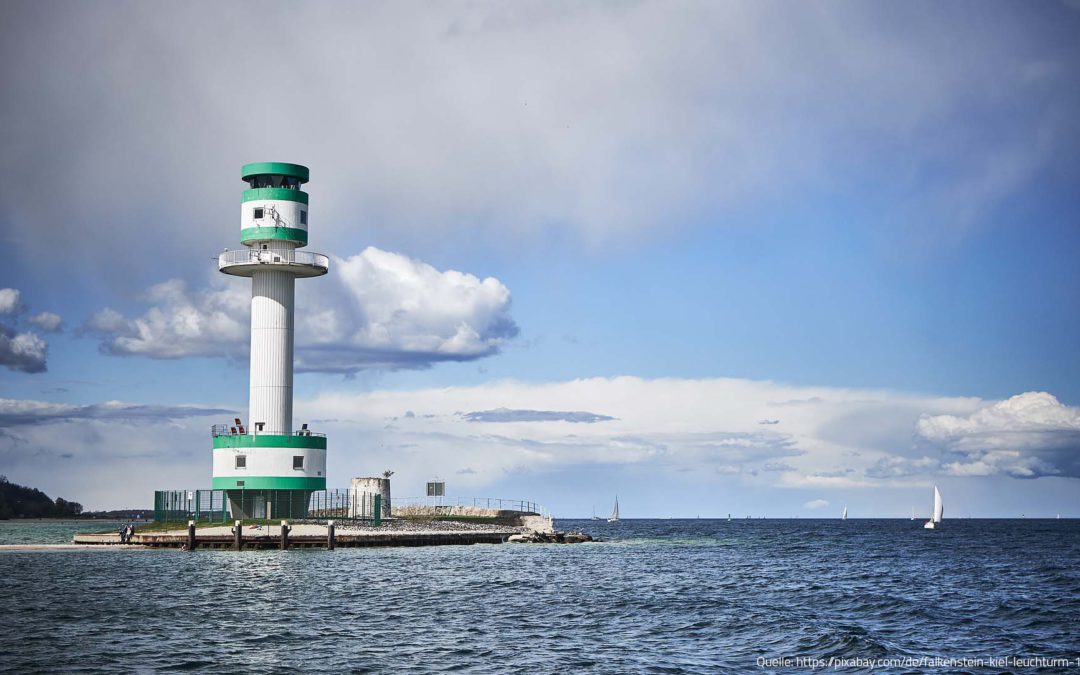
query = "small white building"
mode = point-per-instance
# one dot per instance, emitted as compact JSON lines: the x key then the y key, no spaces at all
{"x":362,"y":492}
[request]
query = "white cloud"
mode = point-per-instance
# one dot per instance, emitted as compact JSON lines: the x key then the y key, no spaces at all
{"x":46,"y":321}
{"x":816,"y":504}
{"x":181,"y":323}
{"x":22,"y":350}
{"x":508,"y":415}
{"x":20,"y":412}
{"x":1026,"y":436}
{"x":685,"y":435}
{"x":386,"y":310}
{"x":374,"y":310}
{"x":9,"y":300}
{"x":893,"y":466}
{"x":89,"y":456}
{"x":696,"y":430}
{"x":25,"y":352}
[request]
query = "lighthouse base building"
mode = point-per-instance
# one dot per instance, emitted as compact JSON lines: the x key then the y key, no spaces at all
{"x":267,"y":468}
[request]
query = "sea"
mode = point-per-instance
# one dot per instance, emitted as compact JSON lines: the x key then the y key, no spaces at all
{"x":651,"y":596}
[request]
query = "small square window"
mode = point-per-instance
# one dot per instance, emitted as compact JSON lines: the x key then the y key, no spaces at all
{"x":303,"y":217}
{"x":298,"y":462}
{"x":241,"y":461}
{"x":258,"y":213}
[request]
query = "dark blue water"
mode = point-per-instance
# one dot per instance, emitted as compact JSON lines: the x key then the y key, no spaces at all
{"x":678,"y":596}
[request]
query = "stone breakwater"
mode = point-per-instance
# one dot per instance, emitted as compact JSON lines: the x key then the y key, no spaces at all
{"x":549,"y":538}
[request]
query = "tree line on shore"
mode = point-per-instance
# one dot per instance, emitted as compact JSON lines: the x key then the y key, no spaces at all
{"x":18,"y":501}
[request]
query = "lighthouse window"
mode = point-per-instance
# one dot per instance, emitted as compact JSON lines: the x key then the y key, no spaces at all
{"x":303,"y":217}
{"x":241,"y":462}
{"x":258,"y":213}
{"x":272,"y":181}
{"x":298,"y":462}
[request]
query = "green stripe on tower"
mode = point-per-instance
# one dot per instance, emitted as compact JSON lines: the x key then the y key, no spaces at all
{"x":283,"y":194}
{"x":275,"y":169}
{"x":286,"y":233}
{"x":268,"y":483}
{"x":270,"y":441}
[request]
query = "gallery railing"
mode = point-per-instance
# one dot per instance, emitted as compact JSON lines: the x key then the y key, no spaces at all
{"x":460,"y":505}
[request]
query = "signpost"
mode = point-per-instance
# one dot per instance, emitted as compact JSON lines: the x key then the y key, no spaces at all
{"x":436,"y":489}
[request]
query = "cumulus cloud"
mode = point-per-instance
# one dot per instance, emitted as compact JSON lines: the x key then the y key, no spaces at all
{"x":1026,"y":436}
{"x":374,"y":310}
{"x":386,"y":310}
{"x":24,"y":352}
{"x":180,"y":323}
{"x":816,"y":504}
{"x":9,"y":300}
{"x":507,"y":415}
{"x":46,"y":321}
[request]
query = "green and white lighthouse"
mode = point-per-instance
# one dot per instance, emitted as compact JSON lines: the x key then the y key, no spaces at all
{"x":267,"y":467}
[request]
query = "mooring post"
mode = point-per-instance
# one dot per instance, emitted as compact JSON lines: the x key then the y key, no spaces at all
{"x":191,"y":535}
{"x":238,"y":536}
{"x":285,"y":535}
{"x":330,"y":535}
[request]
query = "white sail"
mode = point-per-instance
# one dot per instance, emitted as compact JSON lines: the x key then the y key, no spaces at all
{"x":844,"y":517}
{"x":939,"y":510}
{"x":615,"y":512}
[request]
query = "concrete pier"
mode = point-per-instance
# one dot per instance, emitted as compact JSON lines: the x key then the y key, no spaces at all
{"x":311,"y":536}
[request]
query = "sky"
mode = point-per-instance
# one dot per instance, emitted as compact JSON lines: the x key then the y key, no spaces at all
{"x":758,"y":258}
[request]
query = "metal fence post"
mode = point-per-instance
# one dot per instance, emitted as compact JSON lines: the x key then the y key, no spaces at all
{"x":330,"y":535}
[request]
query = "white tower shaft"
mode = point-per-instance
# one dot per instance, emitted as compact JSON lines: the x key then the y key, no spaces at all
{"x":272,"y":302}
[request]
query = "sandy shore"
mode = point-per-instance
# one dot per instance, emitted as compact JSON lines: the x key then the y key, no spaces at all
{"x":71,"y":547}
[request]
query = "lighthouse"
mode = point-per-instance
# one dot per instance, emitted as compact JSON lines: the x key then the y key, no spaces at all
{"x":267,"y":467}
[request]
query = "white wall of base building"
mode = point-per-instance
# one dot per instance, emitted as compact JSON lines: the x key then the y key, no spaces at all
{"x":276,"y":462}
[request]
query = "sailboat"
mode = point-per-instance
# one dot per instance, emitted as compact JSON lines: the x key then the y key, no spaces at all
{"x":594,"y":516}
{"x":614,"y":518}
{"x":844,"y":517}
{"x":939,"y":509}
{"x":913,"y":513}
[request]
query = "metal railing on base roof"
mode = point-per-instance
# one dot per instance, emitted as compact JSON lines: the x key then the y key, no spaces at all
{"x":224,"y":506}
{"x":233,"y":430}
{"x":455,"y":505}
